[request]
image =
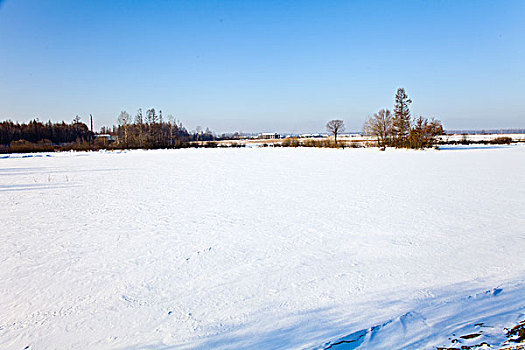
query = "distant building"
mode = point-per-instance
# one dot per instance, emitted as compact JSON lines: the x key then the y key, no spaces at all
{"x":269,"y":135}
{"x":107,"y":137}
{"x":351,"y":135}
{"x":310,"y":136}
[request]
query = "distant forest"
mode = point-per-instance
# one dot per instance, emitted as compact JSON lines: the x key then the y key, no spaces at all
{"x":148,"y":132}
{"x":36,"y":131}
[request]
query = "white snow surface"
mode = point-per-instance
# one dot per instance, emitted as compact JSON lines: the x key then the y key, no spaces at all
{"x":259,"y":248}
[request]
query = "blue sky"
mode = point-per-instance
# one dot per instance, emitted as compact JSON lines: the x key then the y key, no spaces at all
{"x":285,"y":66}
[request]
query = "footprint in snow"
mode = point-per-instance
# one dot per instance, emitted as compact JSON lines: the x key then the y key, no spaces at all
{"x":199,"y":252}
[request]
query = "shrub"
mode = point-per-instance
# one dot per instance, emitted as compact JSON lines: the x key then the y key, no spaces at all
{"x":290,"y":142}
{"x":21,"y":146}
{"x":501,"y":140}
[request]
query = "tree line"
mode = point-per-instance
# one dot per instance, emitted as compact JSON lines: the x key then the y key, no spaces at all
{"x":36,"y":131}
{"x":39,"y":136}
{"x":147,"y":131}
{"x":150,"y":130}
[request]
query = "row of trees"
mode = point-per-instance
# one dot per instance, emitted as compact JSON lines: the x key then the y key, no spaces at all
{"x":399,"y":129}
{"x":147,"y":130}
{"x":36,"y":131}
{"x":150,"y":130}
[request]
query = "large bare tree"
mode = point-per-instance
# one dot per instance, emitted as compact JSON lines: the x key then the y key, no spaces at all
{"x":124,"y":120}
{"x":380,"y":127}
{"x":335,"y":127}
{"x":139,"y":124}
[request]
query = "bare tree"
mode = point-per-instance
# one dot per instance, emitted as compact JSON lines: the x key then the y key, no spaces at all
{"x":138,"y":117}
{"x":76,"y":122}
{"x":139,"y":124}
{"x":380,"y":126}
{"x":124,"y":119}
{"x":152,"y":116}
{"x":335,"y":127}
{"x":171,"y":121}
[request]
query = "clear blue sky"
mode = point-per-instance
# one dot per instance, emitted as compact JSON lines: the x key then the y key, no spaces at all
{"x":245,"y":65}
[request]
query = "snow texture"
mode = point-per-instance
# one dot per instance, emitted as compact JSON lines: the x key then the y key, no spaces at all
{"x":261,"y":248}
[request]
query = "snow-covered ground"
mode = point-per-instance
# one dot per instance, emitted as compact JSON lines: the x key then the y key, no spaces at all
{"x":261,"y":248}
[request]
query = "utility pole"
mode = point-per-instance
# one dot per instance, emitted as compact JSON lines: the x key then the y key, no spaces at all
{"x":92,"y":134}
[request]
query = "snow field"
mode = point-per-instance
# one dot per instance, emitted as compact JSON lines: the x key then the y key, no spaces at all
{"x":248,"y":248}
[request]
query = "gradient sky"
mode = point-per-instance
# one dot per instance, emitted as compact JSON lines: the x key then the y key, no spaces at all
{"x":251,"y":66}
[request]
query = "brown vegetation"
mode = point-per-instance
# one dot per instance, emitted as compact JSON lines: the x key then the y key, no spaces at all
{"x":399,"y":129}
